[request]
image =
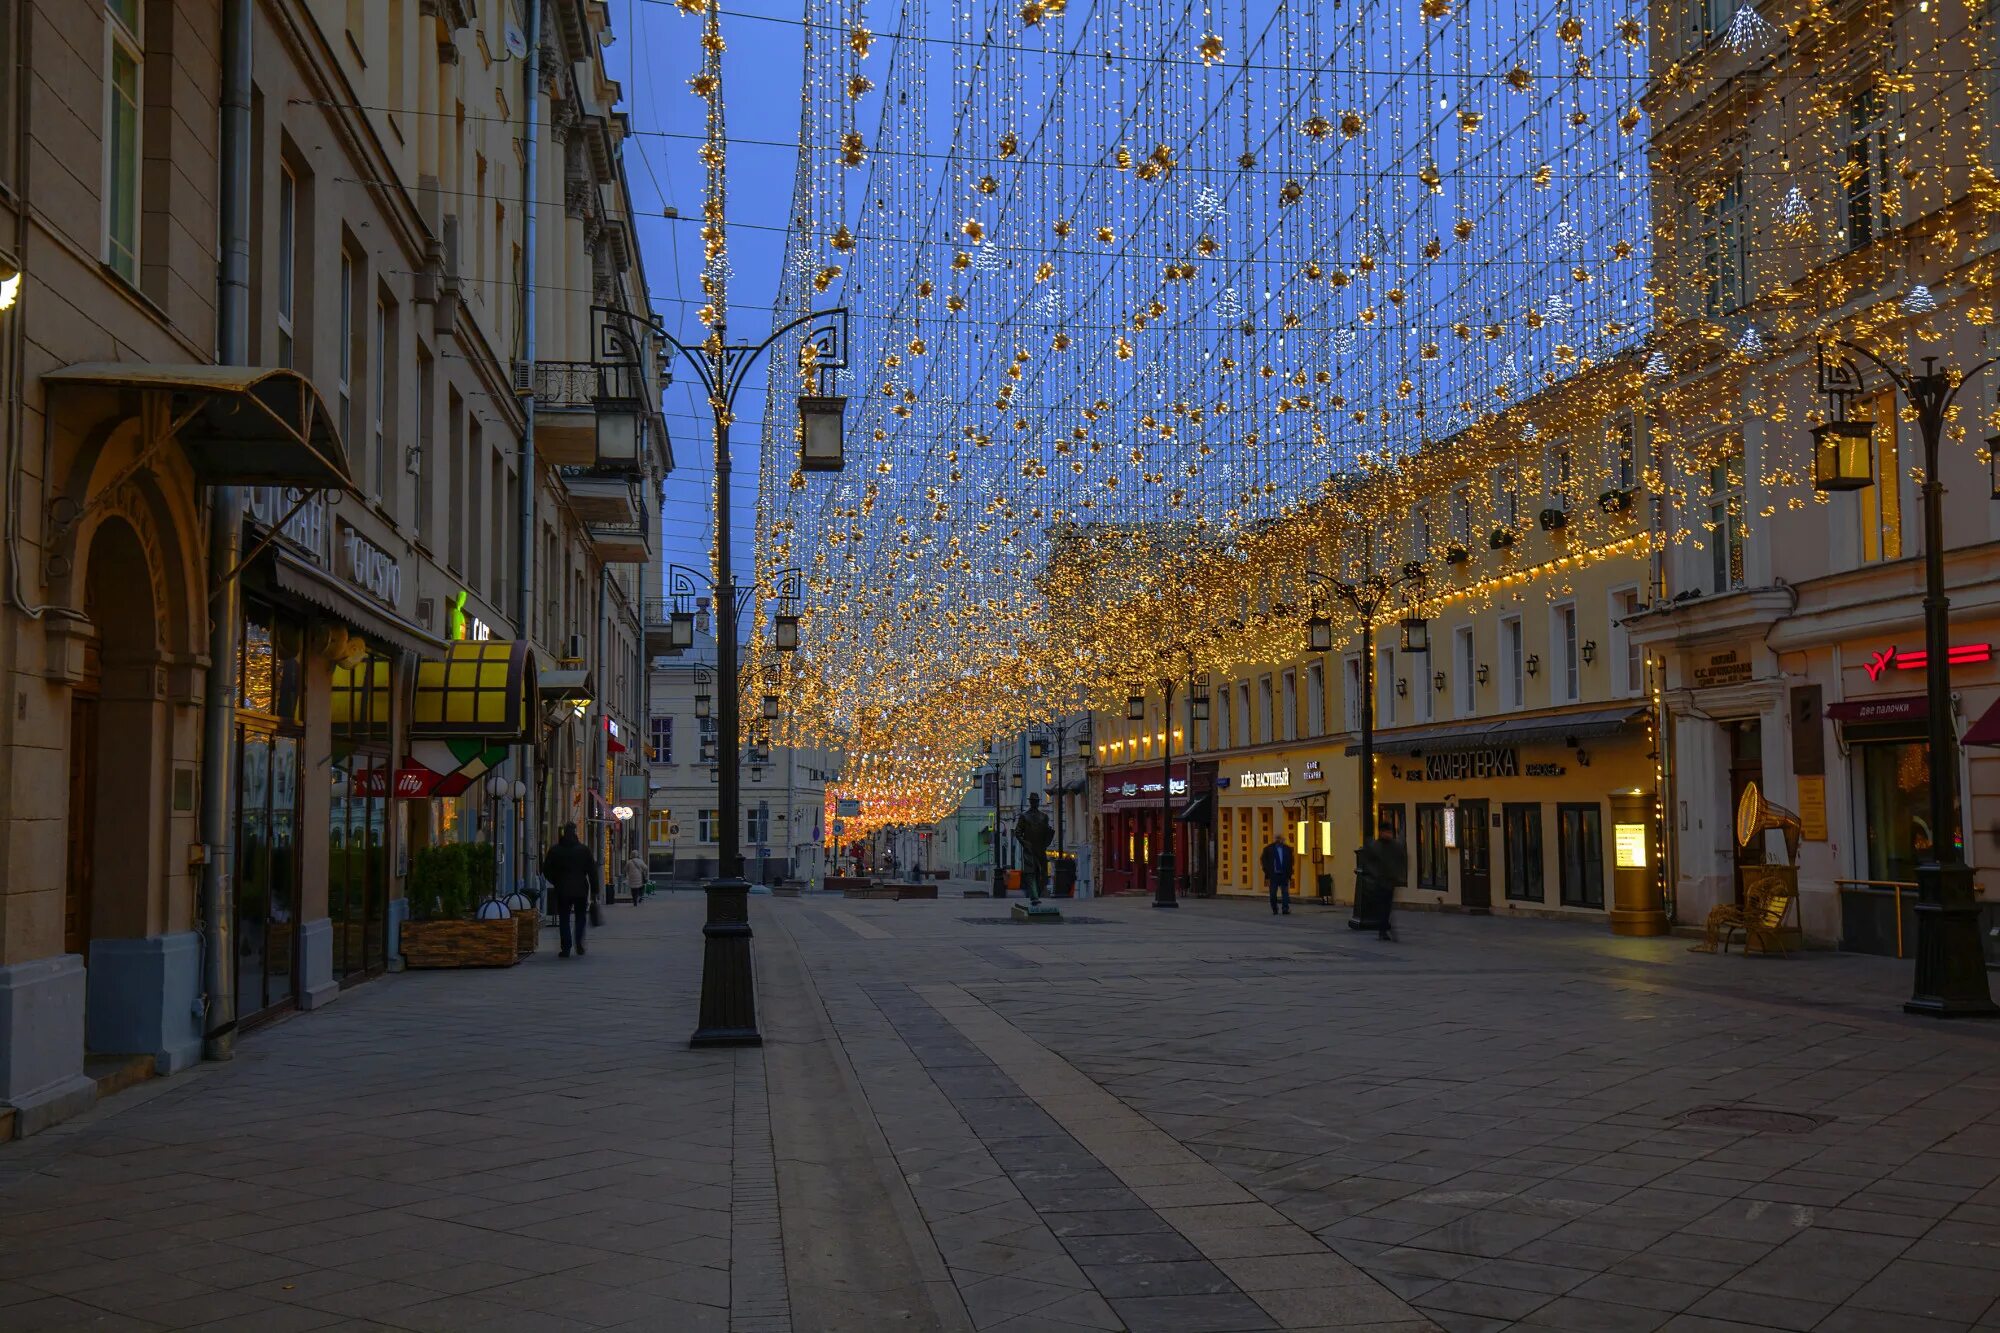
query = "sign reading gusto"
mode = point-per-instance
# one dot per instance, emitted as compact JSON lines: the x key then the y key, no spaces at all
{"x":367,"y":566}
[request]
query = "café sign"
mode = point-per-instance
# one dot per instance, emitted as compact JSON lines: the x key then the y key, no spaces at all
{"x":1132,"y":788}
{"x":1313,"y":772}
{"x":1491,"y":762}
{"x":368,"y":567}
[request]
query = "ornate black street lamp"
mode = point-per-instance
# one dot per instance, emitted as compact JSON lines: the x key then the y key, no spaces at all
{"x":1950,"y":979}
{"x":1364,"y":596}
{"x":728,"y":996}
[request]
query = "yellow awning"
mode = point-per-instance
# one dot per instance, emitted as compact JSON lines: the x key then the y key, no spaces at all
{"x":483,"y":687}
{"x":239,"y":425}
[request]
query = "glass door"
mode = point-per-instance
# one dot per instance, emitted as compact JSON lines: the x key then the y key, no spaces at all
{"x":357,"y":888}
{"x":1521,"y":844}
{"x":253,"y":870}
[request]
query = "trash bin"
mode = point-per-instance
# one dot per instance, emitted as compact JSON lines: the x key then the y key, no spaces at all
{"x":1326,"y":886}
{"x":1010,"y":883}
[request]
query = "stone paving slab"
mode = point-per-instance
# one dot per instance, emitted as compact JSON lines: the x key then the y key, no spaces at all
{"x":1477,"y":1128}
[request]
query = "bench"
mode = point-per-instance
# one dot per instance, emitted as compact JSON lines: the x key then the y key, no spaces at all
{"x":1760,"y":920}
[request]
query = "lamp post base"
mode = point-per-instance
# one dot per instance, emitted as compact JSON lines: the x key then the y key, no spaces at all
{"x":728,"y":983}
{"x":1951,"y":960}
{"x":1163,"y":890}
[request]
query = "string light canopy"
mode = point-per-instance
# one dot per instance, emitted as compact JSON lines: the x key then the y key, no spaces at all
{"x":1158,"y":311}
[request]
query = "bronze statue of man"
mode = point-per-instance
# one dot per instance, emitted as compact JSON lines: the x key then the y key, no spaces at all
{"x":1033,"y":833}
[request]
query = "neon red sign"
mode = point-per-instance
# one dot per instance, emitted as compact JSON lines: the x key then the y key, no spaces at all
{"x":1958,"y":654}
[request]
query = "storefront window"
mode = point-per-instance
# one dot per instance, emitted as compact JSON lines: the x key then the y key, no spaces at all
{"x":1521,"y":838}
{"x":267,"y":802}
{"x":357,"y":872}
{"x":1431,"y":864}
{"x":1896,"y":798}
{"x":1580,"y":845}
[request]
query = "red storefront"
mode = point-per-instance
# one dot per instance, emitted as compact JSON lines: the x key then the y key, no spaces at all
{"x":1132,"y":811}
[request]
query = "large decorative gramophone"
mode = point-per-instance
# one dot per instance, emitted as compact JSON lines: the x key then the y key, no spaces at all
{"x":1769,"y":891}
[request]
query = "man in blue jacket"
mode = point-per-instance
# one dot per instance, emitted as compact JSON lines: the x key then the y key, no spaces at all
{"x":1278,"y":875}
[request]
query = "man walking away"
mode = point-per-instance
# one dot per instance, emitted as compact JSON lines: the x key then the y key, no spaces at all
{"x":1278,"y":874}
{"x":571,"y":872}
{"x":636,"y":873}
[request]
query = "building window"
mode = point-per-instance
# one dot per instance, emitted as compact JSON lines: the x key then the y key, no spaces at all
{"x":1872,"y":204}
{"x":660,"y":827}
{"x":757,"y":824}
{"x":1717,"y":226}
{"x":1465,"y":665}
{"x":1354,"y":692}
{"x":1628,"y":658}
{"x":1560,"y":476}
{"x":660,"y":740}
{"x":1420,"y":533}
{"x":711,"y":825}
{"x":1725,"y":523}
{"x":1882,"y":503}
{"x":1422,"y":705}
{"x":1267,"y":728}
{"x":1385,"y":687}
{"x":1621,"y":453}
{"x":1225,"y":724}
{"x":1291,"y":705}
{"x":1513,"y":681}
{"x":1461,"y":519}
{"x":1562,"y":650}
{"x":124,"y":94}
{"x":345,"y":381}
{"x":288,"y":260}
{"x":1316,"y":700}
{"x":1432,"y":858}
{"x":1507,"y":496}
{"x":1580,"y":849}
{"x":1246,"y":722}
{"x":378,"y":446}
{"x":1521,"y":836}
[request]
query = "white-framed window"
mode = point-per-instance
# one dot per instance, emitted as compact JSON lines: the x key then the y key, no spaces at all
{"x":1465,"y":668}
{"x":287,"y":276}
{"x":1507,"y":496}
{"x":1620,"y":449}
{"x":660,"y":739}
{"x":1560,"y":475}
{"x":1351,"y":670}
{"x":1267,"y":729}
{"x":378,"y":469}
{"x":1627,"y":660}
{"x":1316,"y":700}
{"x":1461,"y":518}
{"x":1291,"y":705}
{"x":1873,"y":197}
{"x":1420,"y":533}
{"x":1568,"y":682}
{"x":344,"y":385}
{"x":1385,"y":687}
{"x":757,"y":824}
{"x":1717,"y":225}
{"x":1880,"y":505}
{"x":1225,"y":722}
{"x":1421,"y":667}
{"x":124,"y":96}
{"x":711,"y":825}
{"x":1513,"y":678}
{"x":1246,"y":721}
{"x":1725,"y":522}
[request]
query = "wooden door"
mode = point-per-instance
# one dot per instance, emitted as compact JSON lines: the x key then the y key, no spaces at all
{"x":82,"y":822}
{"x":1475,"y":861}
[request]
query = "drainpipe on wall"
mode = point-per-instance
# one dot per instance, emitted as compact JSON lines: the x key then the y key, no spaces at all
{"x":225,"y":539}
{"x":528,"y":840}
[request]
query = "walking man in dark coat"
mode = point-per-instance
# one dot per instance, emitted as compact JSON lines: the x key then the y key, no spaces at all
{"x":571,"y":872}
{"x":1278,"y":860}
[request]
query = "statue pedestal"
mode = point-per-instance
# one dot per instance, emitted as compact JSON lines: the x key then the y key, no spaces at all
{"x":1042,"y":912}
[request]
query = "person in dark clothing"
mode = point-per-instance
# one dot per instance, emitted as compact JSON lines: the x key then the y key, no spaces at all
{"x":1278,"y":861}
{"x":1382,"y":866}
{"x":571,"y":872}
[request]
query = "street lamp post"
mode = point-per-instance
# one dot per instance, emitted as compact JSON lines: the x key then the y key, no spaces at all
{"x":1364,"y":596}
{"x":1950,"y":980}
{"x":728,"y":995}
{"x":1164,"y":893}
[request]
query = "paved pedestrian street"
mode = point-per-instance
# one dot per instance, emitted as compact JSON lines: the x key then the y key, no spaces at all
{"x":1205,"y":1120}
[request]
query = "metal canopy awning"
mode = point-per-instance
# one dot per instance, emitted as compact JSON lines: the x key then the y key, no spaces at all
{"x":1516,"y":731}
{"x":566,"y":686}
{"x":1198,"y":811}
{"x":1986,"y":731}
{"x":480,"y":688}
{"x":238,"y":425}
{"x":310,"y":583}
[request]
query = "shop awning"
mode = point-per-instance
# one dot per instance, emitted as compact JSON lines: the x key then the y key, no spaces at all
{"x":309,"y":583}
{"x":1198,"y":811}
{"x":1556,"y":730}
{"x":1885,"y":708}
{"x":238,"y":425}
{"x":481,"y":688}
{"x":566,"y":686}
{"x":1986,"y":731}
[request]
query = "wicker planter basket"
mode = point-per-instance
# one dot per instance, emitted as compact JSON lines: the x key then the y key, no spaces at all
{"x":529,"y":923}
{"x":495,"y":943}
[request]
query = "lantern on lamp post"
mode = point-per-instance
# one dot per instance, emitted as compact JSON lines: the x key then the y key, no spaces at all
{"x":822,"y":441}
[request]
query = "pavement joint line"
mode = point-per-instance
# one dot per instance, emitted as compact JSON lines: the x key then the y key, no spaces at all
{"x":854,"y":923}
{"x":1206,"y":1203}
{"x":760,"y":1298}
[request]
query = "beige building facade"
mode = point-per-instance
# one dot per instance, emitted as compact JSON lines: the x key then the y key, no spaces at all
{"x":373,"y":433}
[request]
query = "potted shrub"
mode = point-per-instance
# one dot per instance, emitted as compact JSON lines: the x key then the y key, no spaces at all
{"x":444,"y":886}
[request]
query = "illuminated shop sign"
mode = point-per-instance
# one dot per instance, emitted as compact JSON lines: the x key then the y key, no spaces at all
{"x":1269,"y":778}
{"x":1488,"y":763}
{"x":1892,"y":658}
{"x":1131,"y":788}
{"x":1312,"y":772}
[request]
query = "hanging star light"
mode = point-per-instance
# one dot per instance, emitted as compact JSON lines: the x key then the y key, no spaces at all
{"x":1919,"y":301}
{"x":1795,"y":214}
{"x":1748,"y":31}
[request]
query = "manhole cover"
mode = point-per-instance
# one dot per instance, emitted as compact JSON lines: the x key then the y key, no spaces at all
{"x":1067,"y":920}
{"x":1754,"y":1120}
